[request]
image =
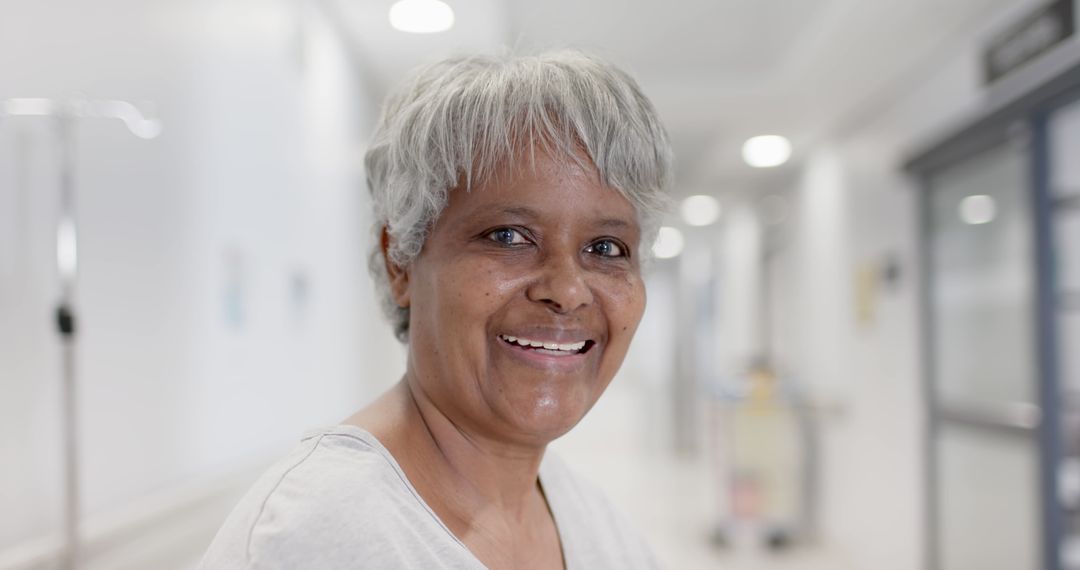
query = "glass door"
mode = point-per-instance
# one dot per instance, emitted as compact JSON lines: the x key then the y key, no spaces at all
{"x":984,"y":374}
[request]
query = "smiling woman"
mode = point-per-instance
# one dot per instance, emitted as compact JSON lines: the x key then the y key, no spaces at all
{"x":513,"y":197}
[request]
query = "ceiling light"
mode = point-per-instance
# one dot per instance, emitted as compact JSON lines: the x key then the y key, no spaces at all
{"x":978,"y":209}
{"x":668,"y":244}
{"x":700,"y":210}
{"x":766,"y":151}
{"x":421,"y":16}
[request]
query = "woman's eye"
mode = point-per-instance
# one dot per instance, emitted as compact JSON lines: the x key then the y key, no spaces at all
{"x":607,"y":248}
{"x":507,"y":236}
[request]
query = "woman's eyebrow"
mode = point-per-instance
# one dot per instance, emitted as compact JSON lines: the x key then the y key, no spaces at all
{"x":520,"y":211}
{"x":529,"y":213}
{"x":619,"y":223}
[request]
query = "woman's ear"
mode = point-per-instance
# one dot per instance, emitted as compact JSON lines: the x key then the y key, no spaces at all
{"x":399,"y":276}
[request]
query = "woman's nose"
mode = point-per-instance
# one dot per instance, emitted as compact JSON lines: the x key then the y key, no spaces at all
{"x":561,"y":285}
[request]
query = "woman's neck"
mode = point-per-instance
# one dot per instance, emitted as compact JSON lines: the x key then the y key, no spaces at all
{"x":485,"y":491}
{"x":470,"y":472}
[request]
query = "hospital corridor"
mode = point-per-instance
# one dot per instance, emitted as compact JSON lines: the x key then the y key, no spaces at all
{"x":857,"y":303}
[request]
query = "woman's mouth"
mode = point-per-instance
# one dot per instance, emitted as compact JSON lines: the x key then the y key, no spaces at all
{"x":548,"y":347}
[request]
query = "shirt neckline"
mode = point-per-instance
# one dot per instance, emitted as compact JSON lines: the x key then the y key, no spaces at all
{"x":367,"y":438}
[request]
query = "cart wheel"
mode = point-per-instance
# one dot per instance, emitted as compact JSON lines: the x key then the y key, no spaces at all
{"x":720,"y":537}
{"x":778,"y":539}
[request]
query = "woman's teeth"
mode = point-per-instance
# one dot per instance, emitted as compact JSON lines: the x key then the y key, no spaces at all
{"x":572,"y":347}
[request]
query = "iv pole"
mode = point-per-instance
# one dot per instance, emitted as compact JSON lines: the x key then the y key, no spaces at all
{"x":66,"y":114}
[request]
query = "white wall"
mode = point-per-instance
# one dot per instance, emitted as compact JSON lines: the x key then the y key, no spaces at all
{"x":224,"y":300}
{"x":851,"y":212}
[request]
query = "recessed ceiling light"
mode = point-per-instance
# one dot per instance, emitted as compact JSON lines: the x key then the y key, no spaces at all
{"x":766,"y":151}
{"x":700,"y":210}
{"x":978,"y":209}
{"x":421,"y":16}
{"x":668,"y":244}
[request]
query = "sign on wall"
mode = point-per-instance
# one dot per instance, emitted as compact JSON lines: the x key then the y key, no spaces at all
{"x":1033,"y":35}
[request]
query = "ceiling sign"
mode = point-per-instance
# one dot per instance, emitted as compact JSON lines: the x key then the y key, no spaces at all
{"x":1030,"y":37}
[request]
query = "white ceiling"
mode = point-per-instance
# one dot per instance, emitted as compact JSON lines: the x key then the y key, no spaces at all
{"x":719,"y":71}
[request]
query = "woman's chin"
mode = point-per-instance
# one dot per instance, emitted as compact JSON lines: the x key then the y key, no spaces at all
{"x":547,"y":418}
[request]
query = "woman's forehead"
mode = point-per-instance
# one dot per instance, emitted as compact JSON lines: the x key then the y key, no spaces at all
{"x":547,"y":187}
{"x":538,"y":159}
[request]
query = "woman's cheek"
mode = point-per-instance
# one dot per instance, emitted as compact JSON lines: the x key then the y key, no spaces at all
{"x":627,"y":297}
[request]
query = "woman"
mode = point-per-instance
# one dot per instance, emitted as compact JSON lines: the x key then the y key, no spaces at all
{"x":513,"y":199}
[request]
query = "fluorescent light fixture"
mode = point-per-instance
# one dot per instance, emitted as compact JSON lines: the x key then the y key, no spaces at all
{"x":668,"y":244}
{"x":67,"y":249}
{"x":978,"y":209}
{"x":421,"y":16}
{"x":766,"y":151}
{"x":700,"y":210}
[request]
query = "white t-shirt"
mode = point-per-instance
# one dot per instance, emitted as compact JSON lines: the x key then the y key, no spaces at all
{"x":339,"y":500}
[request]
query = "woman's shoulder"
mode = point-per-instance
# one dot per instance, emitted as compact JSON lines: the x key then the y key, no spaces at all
{"x":338,"y":496}
{"x":331,"y":466}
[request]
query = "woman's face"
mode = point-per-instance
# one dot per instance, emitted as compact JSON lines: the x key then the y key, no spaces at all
{"x":542,"y":254}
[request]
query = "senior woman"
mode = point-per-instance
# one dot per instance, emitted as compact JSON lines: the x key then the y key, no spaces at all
{"x":514,"y":198}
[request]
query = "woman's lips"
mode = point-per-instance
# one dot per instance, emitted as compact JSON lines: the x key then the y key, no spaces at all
{"x":547,"y":353}
{"x":553,"y":346}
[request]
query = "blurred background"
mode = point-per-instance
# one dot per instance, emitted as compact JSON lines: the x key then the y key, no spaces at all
{"x":862,"y":343}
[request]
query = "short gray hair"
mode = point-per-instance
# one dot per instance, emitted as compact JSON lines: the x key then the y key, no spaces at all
{"x":456,"y":121}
